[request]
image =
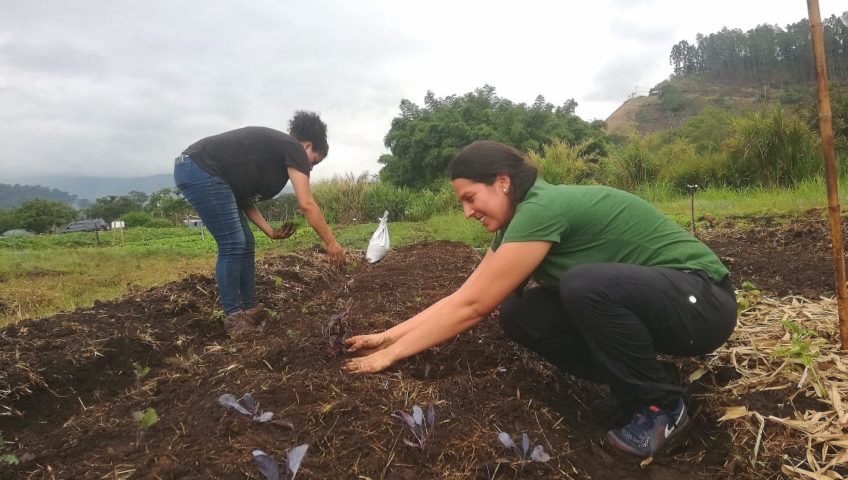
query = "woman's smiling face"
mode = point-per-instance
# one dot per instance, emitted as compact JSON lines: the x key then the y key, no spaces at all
{"x":488,"y":204}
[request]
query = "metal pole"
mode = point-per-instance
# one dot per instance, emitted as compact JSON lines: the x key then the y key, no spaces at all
{"x":833,"y":209}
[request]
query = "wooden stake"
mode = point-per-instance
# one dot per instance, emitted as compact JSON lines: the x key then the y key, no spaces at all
{"x":833,"y":209}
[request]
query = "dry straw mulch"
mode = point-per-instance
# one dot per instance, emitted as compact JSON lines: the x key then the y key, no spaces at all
{"x":785,"y":407}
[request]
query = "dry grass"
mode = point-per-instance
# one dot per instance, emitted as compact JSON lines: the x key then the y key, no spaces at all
{"x":45,"y":283}
{"x":786,"y":411}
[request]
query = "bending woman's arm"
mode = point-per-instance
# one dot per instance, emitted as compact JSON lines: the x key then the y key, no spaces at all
{"x":493,"y":280}
{"x":313,"y":214}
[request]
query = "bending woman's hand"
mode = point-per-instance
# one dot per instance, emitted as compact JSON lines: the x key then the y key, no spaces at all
{"x":285,"y":231}
{"x":336,"y":253}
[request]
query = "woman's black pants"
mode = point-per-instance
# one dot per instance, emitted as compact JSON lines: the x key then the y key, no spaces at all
{"x":608,"y":322}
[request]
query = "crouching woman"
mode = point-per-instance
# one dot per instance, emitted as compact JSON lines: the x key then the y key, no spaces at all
{"x":617,"y":283}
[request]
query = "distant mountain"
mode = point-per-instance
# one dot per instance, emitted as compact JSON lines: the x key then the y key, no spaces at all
{"x":92,"y":188}
{"x":12,"y":196}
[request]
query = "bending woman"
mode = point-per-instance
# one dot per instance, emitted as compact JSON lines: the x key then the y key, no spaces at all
{"x":223,"y":176}
{"x":617,"y":283}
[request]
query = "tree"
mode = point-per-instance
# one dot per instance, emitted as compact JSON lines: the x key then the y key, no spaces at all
{"x":138,"y":198}
{"x":168,"y":203}
{"x":7,"y":219}
{"x":41,"y":215}
{"x":422,"y":140}
{"x":111,"y":207}
{"x":766,"y":54}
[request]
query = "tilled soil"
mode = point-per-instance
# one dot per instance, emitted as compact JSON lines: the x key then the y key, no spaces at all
{"x":779,"y":256}
{"x":70,"y":383}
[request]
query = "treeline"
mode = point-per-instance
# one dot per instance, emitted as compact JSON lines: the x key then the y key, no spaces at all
{"x":423,"y":139}
{"x":163,"y":208}
{"x":12,"y":196}
{"x":773,"y":145}
{"x":767,"y":54}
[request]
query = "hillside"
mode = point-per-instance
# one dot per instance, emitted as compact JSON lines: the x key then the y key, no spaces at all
{"x":12,"y":196}
{"x":92,"y":188}
{"x":685,"y":97}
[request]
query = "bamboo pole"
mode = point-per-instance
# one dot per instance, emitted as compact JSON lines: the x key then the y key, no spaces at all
{"x":833,"y":209}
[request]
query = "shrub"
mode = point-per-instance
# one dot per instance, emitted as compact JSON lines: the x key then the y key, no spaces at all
{"x":561,"y":163}
{"x":426,"y":203}
{"x":772,"y":148}
{"x":342,"y":199}
{"x":631,"y":164}
{"x":160,"y":223}
{"x":384,"y":196}
{"x":137,"y":219}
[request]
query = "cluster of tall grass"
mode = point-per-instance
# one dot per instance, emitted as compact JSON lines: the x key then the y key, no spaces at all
{"x":351,"y":199}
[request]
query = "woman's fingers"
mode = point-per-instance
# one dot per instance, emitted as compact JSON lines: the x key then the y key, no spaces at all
{"x":370,"y":364}
{"x":361,"y":342}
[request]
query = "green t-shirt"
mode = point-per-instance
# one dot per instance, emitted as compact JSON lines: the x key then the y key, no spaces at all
{"x":596,"y":224}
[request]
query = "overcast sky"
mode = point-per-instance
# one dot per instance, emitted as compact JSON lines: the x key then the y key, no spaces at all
{"x":118,"y":88}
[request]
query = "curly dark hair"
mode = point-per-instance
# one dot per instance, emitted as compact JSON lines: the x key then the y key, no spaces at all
{"x":308,"y":127}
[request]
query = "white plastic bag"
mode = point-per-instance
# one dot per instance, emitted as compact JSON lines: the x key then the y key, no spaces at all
{"x":379,"y":244}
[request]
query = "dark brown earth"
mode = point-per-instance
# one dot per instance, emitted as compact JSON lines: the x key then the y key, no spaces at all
{"x":68,"y":385}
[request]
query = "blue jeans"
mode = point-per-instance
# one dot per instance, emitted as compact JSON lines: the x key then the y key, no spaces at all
{"x":215,"y":203}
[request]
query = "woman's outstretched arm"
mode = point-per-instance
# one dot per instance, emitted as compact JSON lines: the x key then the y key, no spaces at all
{"x":493,"y":280}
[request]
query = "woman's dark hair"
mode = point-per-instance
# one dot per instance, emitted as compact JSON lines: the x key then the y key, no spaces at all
{"x":483,"y":161}
{"x":308,"y":127}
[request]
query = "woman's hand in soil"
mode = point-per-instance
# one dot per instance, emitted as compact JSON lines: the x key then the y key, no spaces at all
{"x":373,"y":363}
{"x":367,"y":344}
{"x":285,"y":231}
{"x":336,"y":253}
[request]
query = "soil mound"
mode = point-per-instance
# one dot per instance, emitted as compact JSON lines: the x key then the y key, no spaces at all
{"x":70,"y":383}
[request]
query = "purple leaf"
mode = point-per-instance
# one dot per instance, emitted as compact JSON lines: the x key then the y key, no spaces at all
{"x":283,"y":423}
{"x":410,"y":422}
{"x":431,"y":417}
{"x":295,"y":456}
{"x":525,"y":444}
{"x":506,"y":440}
{"x":266,"y":465}
{"x":265,"y":417}
{"x":250,"y":403}
{"x":539,"y":455}
{"x":228,"y":400}
{"x":417,"y":415}
{"x":411,"y":444}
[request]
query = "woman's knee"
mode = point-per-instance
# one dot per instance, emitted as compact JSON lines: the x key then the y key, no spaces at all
{"x":234,"y":244}
{"x":509,"y":314}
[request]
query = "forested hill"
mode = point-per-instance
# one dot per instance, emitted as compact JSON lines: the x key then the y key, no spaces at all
{"x":734,"y":70}
{"x":767,"y":54}
{"x":92,"y":188}
{"x":12,"y":196}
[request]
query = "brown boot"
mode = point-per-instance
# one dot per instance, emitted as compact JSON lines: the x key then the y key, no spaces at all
{"x":237,"y":324}
{"x":258,"y":315}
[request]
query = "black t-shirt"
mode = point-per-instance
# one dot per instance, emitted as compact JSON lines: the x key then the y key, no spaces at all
{"x":252,"y":160}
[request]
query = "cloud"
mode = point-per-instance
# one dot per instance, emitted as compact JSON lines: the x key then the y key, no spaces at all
{"x":622,"y":74}
{"x":117,"y":88}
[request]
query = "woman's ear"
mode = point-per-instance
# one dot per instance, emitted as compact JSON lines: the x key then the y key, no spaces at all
{"x":503,"y":182}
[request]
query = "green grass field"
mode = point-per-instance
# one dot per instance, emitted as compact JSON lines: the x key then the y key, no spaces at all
{"x":46,"y":274}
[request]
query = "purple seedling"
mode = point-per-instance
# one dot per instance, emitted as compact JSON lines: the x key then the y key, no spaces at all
{"x":271,"y":469}
{"x":537,"y":455}
{"x":421,"y":431}
{"x":336,"y":333}
{"x":250,"y":409}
